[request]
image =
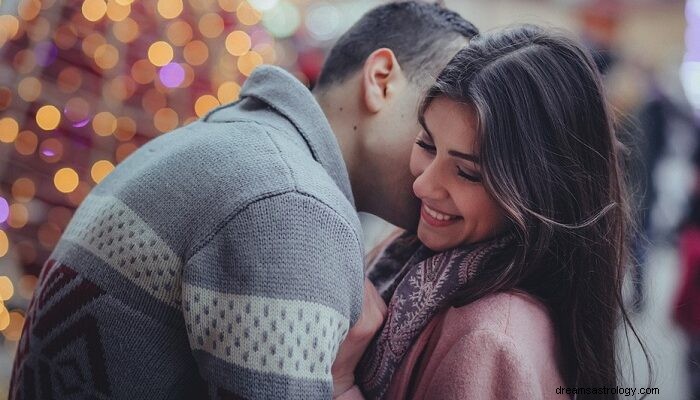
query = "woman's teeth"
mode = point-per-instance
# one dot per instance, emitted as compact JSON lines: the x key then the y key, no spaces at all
{"x":438,"y":215}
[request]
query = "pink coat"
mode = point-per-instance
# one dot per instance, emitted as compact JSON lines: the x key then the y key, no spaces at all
{"x":500,"y":347}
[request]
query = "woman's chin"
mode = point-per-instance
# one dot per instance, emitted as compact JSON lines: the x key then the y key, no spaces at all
{"x":433,"y":241}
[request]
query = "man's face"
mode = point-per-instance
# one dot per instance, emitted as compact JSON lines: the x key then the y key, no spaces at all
{"x":389,"y":143}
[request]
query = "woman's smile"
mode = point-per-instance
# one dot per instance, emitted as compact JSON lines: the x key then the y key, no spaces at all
{"x":437,"y":218}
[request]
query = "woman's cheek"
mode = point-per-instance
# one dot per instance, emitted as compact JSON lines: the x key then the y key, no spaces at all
{"x":417,"y":162}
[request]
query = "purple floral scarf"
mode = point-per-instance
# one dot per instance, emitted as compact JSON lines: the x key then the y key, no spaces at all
{"x":417,"y":284}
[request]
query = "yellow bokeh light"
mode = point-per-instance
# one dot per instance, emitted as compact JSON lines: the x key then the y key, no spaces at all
{"x":160,"y":53}
{"x":126,"y":31}
{"x":19,"y":215}
{"x":92,"y":42}
{"x":23,"y":190}
{"x":106,"y":56}
{"x":94,"y":10}
{"x":104,"y":123}
{"x":143,"y":72}
{"x":48,"y":117}
{"x":169,"y":9}
{"x":238,"y":43}
{"x":7,"y":289}
{"x":9,"y":25}
{"x":66,"y":180}
{"x":4,"y":318}
{"x":26,"y":142}
{"x":248,"y":62}
{"x":29,"y":89}
{"x":165,"y":119}
{"x":13,"y":331}
{"x":179,"y":32}
{"x":100,"y":169}
{"x":29,"y":9}
{"x":126,"y":129}
{"x":9,"y":128}
{"x":204,"y":104}
{"x":228,"y":5}
{"x":228,"y":92}
{"x":211,"y":25}
{"x":116,"y":11}
{"x":125,"y":2}
{"x":4,"y":243}
{"x":196,"y":52}
{"x":248,"y":15}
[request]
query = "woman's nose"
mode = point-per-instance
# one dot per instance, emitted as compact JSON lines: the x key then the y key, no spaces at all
{"x":430,"y":184}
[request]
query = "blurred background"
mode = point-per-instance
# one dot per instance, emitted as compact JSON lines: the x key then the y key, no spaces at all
{"x":85,"y":83}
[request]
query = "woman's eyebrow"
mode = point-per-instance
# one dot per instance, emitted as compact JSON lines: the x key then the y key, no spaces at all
{"x":453,"y":153}
{"x":468,"y":157}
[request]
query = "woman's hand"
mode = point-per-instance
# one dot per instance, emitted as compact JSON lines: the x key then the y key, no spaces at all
{"x":351,"y":350}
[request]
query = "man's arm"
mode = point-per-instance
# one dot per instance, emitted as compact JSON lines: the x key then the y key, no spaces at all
{"x":270,"y":296}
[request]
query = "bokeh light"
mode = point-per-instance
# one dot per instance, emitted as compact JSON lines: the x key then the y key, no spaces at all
{"x":248,"y":62}
{"x":100,"y":170}
{"x":172,"y":75}
{"x":4,"y":243}
{"x":48,"y":117}
{"x":4,"y":210}
{"x":7,"y":289}
{"x":169,"y":8}
{"x":160,"y":53}
{"x":94,"y":10}
{"x":9,"y":128}
{"x":165,"y":119}
{"x":104,"y":123}
{"x":23,"y":190}
{"x":66,"y":180}
{"x":204,"y":104}
{"x":179,"y":32}
{"x":238,"y":43}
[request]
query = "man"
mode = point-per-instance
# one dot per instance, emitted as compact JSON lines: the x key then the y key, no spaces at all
{"x":225,"y":258}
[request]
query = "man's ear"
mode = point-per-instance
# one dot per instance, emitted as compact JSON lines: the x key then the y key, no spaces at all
{"x":381,"y":75}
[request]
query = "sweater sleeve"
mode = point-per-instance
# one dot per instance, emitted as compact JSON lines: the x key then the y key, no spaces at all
{"x":485,"y":365}
{"x":268,"y":299}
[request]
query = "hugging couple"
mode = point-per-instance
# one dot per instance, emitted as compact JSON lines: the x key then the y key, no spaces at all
{"x":225,"y":259}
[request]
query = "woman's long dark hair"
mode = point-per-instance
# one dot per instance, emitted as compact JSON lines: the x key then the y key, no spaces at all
{"x":550,"y":159}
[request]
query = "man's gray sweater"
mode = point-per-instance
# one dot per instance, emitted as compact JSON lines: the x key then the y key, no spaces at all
{"x":222,"y":260}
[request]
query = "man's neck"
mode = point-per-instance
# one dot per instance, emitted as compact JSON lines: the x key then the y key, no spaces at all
{"x":344,"y":122}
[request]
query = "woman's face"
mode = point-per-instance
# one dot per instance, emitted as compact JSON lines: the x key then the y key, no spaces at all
{"x":456,"y":209}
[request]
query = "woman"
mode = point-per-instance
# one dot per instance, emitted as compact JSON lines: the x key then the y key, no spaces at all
{"x":514,"y":290}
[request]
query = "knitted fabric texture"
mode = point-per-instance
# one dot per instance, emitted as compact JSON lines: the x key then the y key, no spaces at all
{"x":220,"y":260}
{"x":420,"y":290}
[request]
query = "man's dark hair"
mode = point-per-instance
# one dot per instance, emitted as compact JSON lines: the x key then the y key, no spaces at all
{"x":418,"y":33}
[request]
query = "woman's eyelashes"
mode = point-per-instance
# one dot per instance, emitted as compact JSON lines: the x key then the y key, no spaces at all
{"x":428,"y":147}
{"x":467,"y":176}
{"x":462,"y":174}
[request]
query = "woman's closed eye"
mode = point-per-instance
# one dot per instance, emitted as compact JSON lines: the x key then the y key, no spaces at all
{"x":468,"y":176}
{"x":461,"y":172}
{"x":428,"y":147}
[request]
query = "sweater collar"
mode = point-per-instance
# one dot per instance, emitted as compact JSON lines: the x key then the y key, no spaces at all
{"x":289,"y":97}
